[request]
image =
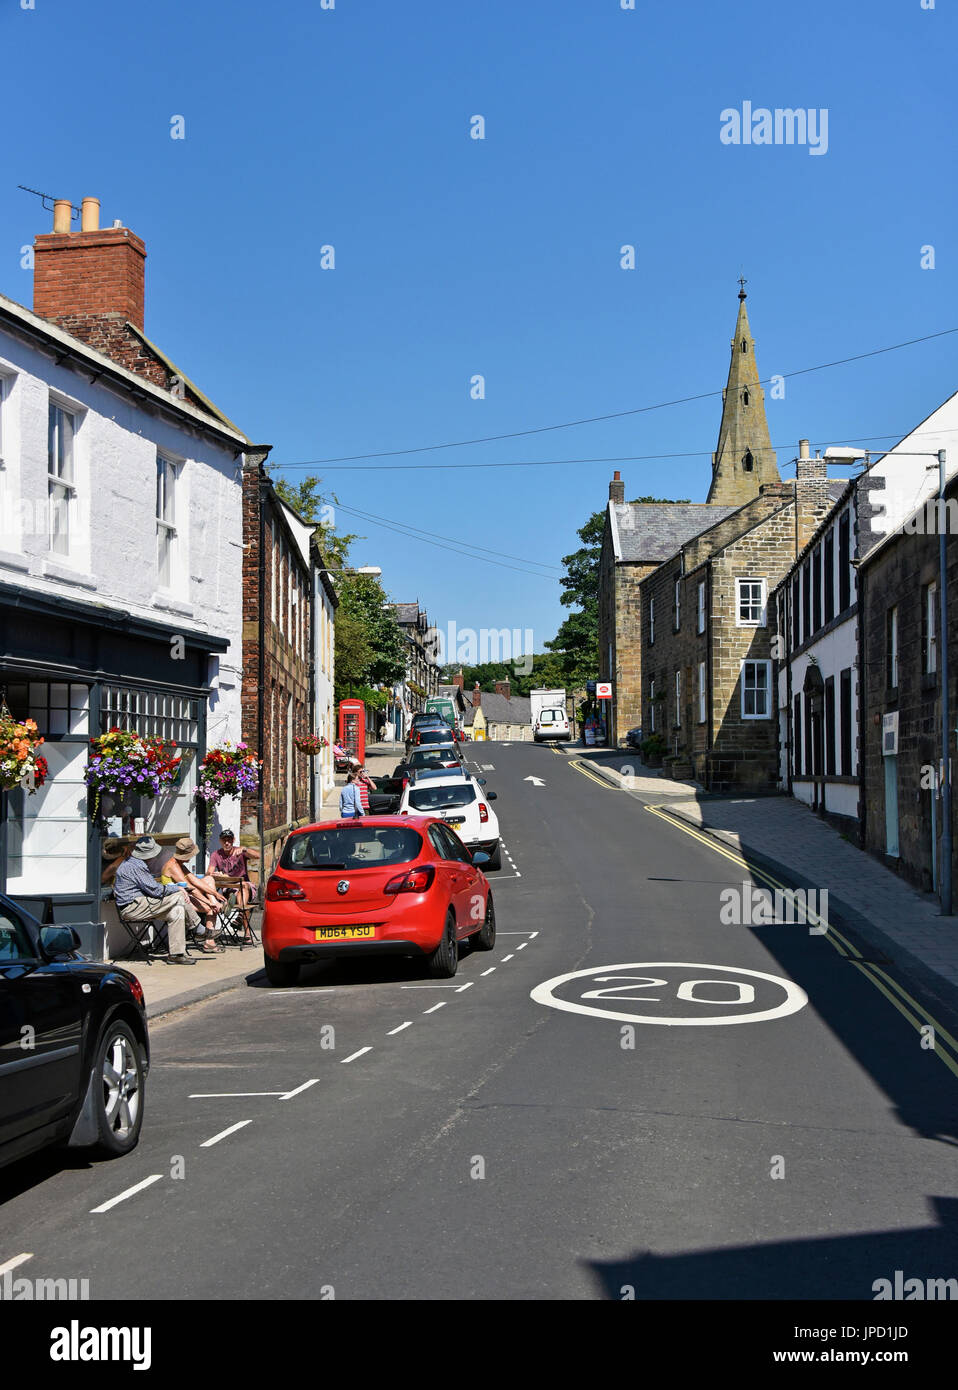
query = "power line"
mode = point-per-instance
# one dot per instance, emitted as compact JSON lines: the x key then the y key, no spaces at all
{"x":614,"y":415}
{"x":504,"y":554}
{"x":402,"y":530}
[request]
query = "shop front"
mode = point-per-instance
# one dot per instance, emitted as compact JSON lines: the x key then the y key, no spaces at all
{"x":79,"y":672}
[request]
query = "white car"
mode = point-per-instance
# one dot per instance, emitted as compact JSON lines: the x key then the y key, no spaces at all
{"x":552,"y":722}
{"x":463,"y":803}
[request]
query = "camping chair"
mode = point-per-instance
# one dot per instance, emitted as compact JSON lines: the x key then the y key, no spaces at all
{"x":235,"y":919}
{"x":145,"y":937}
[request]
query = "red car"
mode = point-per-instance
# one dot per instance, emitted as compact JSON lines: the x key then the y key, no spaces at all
{"x":377,"y":885}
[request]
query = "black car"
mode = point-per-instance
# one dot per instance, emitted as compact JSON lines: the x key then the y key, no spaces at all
{"x":423,"y":723}
{"x":634,"y":738}
{"x":74,"y":1045}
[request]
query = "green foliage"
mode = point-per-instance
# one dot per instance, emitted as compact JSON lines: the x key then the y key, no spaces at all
{"x":306,"y":499}
{"x":653,"y":746}
{"x":546,"y":671}
{"x":370,"y":647}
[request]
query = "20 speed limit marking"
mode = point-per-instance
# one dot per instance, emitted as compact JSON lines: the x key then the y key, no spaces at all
{"x":680,"y":990}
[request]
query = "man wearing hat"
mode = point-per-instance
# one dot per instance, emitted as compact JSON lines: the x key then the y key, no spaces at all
{"x":140,"y":898}
{"x":202,"y":897}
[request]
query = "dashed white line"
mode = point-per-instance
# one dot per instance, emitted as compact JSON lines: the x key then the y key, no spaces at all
{"x":533,"y":935}
{"x":488,"y":972}
{"x":441,"y":1005}
{"x":508,"y":957}
{"x":523,"y":946}
{"x":14,"y":1263}
{"x":299,"y":1089}
{"x":428,"y":986}
{"x":354,"y":1055}
{"x":130,"y":1192}
{"x":460,"y":988}
{"x":224,"y":1134}
{"x":393,"y":1031}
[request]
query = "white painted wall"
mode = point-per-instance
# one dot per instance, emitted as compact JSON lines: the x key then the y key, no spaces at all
{"x":113,"y":558}
{"x":910,"y":479}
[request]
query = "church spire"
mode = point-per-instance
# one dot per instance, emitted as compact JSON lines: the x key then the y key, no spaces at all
{"x":744,"y":458}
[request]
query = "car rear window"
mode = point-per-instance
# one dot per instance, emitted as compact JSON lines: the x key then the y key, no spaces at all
{"x":551,"y":716}
{"x":433,"y":757}
{"x":435,"y":735}
{"x":428,"y":799}
{"x":351,"y":847}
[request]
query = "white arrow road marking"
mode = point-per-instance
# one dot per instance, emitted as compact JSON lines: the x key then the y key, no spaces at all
{"x":224,"y":1134}
{"x":536,"y":781}
{"x":14,"y":1263}
{"x":130,"y":1192}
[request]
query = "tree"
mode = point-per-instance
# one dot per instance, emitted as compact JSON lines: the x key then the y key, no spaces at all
{"x":307,"y":500}
{"x":546,"y":671}
{"x":370,"y":646}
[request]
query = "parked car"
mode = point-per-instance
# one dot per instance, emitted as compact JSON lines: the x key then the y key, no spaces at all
{"x":444,"y":755}
{"x":551,"y":723}
{"x":464,"y":804}
{"x":74,"y":1045}
{"x":385,"y":885}
{"x":431,"y":733}
{"x":422,"y":722}
{"x":634,"y":738}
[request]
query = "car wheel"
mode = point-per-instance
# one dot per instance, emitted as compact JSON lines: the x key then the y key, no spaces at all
{"x":118,"y":1090}
{"x":279,"y":972}
{"x":444,"y":961}
{"x":495,"y":857}
{"x":485,"y":937}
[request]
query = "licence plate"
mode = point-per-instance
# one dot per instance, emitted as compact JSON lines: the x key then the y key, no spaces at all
{"x":359,"y":933}
{"x":455,"y":820}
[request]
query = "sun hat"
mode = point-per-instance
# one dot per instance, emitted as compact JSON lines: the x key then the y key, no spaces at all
{"x":145,"y":848}
{"x":185,"y":848}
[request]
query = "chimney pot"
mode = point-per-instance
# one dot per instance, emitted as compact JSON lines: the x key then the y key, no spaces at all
{"x":62,"y":209}
{"x":803,"y":448}
{"x":617,"y":489}
{"x":90,"y":215}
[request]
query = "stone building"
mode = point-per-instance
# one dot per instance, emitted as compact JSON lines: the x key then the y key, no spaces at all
{"x":422,"y":665}
{"x":639,"y":538}
{"x":499,"y":715}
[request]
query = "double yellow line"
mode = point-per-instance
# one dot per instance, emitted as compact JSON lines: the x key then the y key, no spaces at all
{"x":916,"y":1014}
{"x":586,"y":770}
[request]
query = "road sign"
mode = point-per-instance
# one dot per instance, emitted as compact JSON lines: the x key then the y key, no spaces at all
{"x":603,"y":690}
{"x":674,"y":994}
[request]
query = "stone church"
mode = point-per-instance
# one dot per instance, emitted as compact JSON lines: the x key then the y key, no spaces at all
{"x":684,"y":630}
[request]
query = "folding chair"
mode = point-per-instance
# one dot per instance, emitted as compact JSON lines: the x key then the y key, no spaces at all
{"x":235,"y":919}
{"x":145,"y":937}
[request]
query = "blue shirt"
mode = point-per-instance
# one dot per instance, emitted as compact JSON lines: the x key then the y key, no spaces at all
{"x":350,"y":802}
{"x":133,"y":880}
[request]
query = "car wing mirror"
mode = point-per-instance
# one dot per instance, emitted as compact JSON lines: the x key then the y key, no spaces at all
{"x":59,"y":941}
{"x":480,"y":857}
{"x":481,"y":781}
{"x":492,"y":796}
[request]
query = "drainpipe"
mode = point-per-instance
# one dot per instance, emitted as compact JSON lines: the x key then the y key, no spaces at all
{"x":945,"y":871}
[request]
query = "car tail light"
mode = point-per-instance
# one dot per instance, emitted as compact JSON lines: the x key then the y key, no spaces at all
{"x":413,"y":881}
{"x":282,"y":889}
{"x":136,"y":989}
{"x":483,"y":812}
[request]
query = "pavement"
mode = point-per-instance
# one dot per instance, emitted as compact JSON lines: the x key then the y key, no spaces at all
{"x":783,"y":835}
{"x":571,"y":1117}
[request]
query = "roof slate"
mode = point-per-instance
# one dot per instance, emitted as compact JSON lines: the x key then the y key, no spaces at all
{"x":654,"y":531}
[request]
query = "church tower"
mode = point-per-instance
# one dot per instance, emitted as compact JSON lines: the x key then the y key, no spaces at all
{"x":744,"y":458}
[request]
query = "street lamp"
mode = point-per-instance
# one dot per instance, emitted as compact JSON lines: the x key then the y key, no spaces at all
{"x":837,"y":454}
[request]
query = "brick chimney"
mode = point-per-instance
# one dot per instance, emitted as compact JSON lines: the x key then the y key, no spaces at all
{"x":90,"y":282}
{"x":812,"y":486}
{"x":458,"y":678}
{"x":502,"y":688}
{"x":476,"y":696}
{"x":617,"y":488}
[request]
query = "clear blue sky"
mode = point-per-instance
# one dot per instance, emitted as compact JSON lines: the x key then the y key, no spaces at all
{"x":454,"y":257}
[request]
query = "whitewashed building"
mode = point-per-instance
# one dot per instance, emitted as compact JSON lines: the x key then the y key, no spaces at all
{"x":121,"y":544}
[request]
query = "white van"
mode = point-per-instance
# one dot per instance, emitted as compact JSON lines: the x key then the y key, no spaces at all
{"x":551,"y":723}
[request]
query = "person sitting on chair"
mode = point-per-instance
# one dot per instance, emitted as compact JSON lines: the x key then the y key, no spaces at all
{"x":140,"y":898}
{"x":234,"y":863}
{"x":201,"y":890}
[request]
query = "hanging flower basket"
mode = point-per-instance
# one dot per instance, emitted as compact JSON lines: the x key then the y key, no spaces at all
{"x":20,"y":763}
{"x":127,"y":764}
{"x":230,"y":770}
{"x":310,"y":744}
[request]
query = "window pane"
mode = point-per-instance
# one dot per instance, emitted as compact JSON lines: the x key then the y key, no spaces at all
{"x":58,"y":696}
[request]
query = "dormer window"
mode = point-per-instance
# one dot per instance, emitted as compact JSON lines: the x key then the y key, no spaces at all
{"x":748,"y":463}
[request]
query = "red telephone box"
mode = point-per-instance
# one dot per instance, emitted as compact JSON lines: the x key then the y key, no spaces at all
{"x":352,"y":728}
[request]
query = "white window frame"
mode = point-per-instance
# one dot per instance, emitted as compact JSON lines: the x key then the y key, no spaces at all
{"x":761,"y":620}
{"x":701,"y":606}
{"x":678,"y":604}
{"x":61,"y":479}
{"x":702,"y":693}
{"x":652,"y":704}
{"x":4,"y":393}
{"x":166,"y":523}
{"x":743,"y":669}
{"x":931,"y":622}
{"x":678,"y":699}
{"x":651,"y":621}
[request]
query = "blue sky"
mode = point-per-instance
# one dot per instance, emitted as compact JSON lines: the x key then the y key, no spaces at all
{"x":455,"y":257}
